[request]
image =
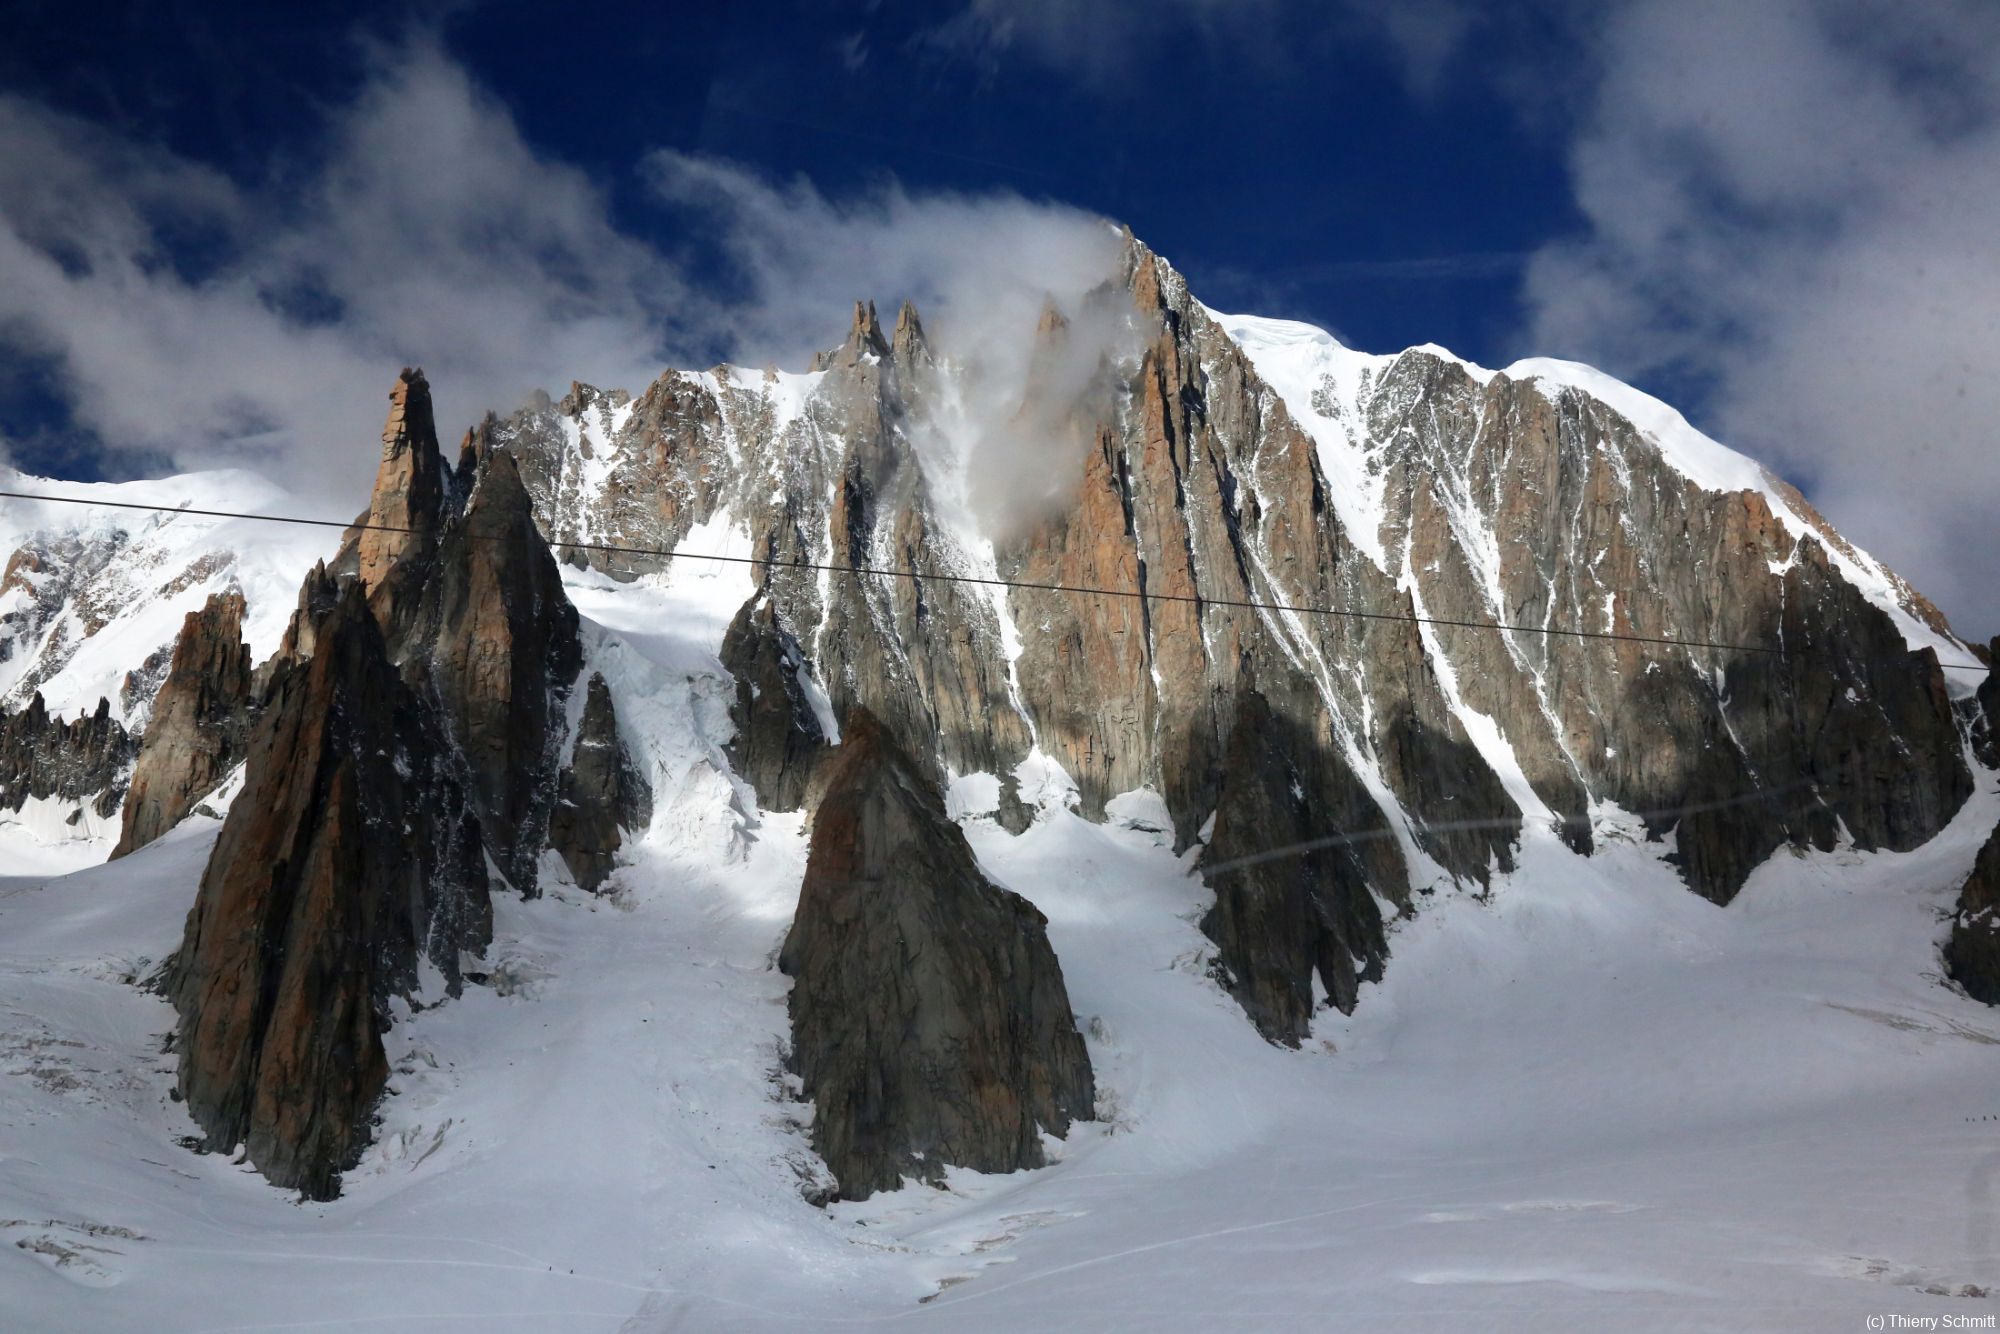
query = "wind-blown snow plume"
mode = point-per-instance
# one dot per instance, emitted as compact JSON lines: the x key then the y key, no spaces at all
{"x":1003,"y":285}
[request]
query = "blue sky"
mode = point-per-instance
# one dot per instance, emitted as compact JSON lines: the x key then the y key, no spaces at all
{"x":226,"y":226}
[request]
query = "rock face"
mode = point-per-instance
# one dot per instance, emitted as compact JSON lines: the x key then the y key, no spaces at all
{"x":783,"y":725}
{"x":495,"y":642}
{"x":347,"y":859}
{"x":81,"y":762}
{"x":1972,"y":951}
{"x":1292,"y":900}
{"x":1989,"y":689}
{"x":600,"y":792}
{"x":200,"y":723}
{"x":472,"y":609}
{"x":1989,"y":703}
{"x":930,"y":1025}
{"x":393,"y":554}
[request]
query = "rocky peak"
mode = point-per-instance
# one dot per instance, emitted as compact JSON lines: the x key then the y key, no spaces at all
{"x":1393,"y":488}
{"x":318,"y":591}
{"x":200,"y":722}
{"x":402,"y":742}
{"x":494,"y":640}
{"x":347,"y":858}
{"x":864,"y":340}
{"x":407,"y":503}
{"x":80,"y":762}
{"x":909,"y":343}
{"x":930,"y":1024}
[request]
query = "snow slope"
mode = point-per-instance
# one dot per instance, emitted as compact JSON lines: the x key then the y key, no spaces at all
{"x":134,"y":575}
{"x":1593,"y":1100}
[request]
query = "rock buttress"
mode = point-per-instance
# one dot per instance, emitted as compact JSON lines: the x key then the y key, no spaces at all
{"x":599,"y":793}
{"x":495,"y":643}
{"x":1297,"y":846}
{"x":1972,"y":951}
{"x":930,"y":1024}
{"x":199,"y":725}
{"x":346,"y":859}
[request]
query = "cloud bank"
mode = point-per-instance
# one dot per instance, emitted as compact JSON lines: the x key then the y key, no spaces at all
{"x":1794,"y":208}
{"x":214,"y":322}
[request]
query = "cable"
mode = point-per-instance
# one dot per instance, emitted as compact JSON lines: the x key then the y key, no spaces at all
{"x":1758,"y":797}
{"x":918,"y":575}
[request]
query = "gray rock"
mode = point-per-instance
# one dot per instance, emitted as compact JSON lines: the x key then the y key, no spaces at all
{"x":82,"y":762}
{"x":599,"y":794}
{"x":200,"y":723}
{"x":1297,"y":856}
{"x":1972,"y":950}
{"x":930,"y":1025}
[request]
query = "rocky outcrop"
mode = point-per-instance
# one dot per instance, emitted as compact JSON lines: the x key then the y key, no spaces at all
{"x":1972,"y":950}
{"x":473,"y":613}
{"x":1989,"y":701}
{"x":81,"y":762}
{"x":393,"y":553}
{"x":780,"y":733}
{"x":494,"y":641}
{"x":600,"y":793}
{"x":1297,"y":844}
{"x":930,"y":1025}
{"x":348,"y":858}
{"x":409,"y":729}
{"x":200,"y":723}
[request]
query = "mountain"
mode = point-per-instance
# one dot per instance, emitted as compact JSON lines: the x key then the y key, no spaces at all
{"x":1240,"y":461}
{"x":915,"y":780}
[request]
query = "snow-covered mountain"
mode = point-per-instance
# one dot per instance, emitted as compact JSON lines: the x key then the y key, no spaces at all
{"x":488,"y":940}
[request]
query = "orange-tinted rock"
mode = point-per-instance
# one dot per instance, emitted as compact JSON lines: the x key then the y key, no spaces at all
{"x":346,"y":859}
{"x":407,"y":504}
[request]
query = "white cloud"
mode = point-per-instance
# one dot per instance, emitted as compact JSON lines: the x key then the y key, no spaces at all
{"x":219,"y":323}
{"x":1794,"y":206}
{"x":428,"y":234}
